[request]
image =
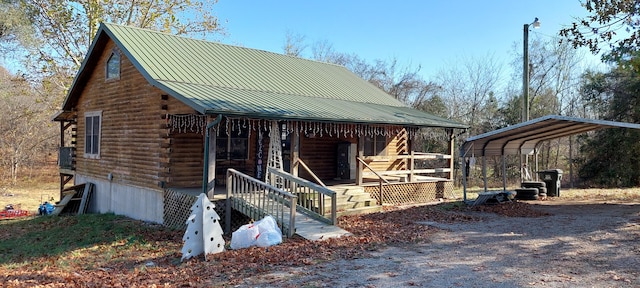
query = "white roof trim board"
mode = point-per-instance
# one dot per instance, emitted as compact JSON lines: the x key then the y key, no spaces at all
{"x":523,"y":138}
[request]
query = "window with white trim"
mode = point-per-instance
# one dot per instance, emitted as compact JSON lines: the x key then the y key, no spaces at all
{"x":375,"y":146}
{"x":113,"y":66}
{"x":93,"y":123}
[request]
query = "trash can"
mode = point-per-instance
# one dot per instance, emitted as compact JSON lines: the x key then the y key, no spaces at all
{"x":552,"y":179}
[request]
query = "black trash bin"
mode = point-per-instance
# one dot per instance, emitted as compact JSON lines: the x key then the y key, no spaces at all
{"x":552,"y":179}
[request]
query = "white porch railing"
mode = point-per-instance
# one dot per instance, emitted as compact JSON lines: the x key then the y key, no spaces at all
{"x":312,"y":198}
{"x":257,"y":199}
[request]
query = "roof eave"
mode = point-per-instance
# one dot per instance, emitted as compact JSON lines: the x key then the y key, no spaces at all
{"x":336,"y":120}
{"x":72,"y":94}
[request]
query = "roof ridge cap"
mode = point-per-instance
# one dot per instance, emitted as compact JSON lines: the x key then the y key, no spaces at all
{"x":220,"y":43}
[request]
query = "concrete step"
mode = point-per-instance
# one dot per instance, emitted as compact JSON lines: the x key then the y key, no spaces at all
{"x":360,"y":210}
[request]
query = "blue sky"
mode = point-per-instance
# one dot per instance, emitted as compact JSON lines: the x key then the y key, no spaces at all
{"x":432,"y":34}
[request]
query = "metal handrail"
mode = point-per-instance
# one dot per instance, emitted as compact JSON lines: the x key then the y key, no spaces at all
{"x":311,"y":196}
{"x":257,"y":199}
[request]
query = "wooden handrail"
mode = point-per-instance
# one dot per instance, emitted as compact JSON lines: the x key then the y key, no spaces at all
{"x":304,"y":165}
{"x":257,"y":199}
{"x":374,"y":172}
{"x":415,"y":156}
{"x":415,"y":171}
{"x":310,"y":195}
{"x":379,"y":177}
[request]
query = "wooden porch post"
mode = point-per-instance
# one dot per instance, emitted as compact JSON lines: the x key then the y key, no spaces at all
{"x":411,"y":161}
{"x":360,"y":154}
{"x":451,"y":149}
{"x":62,"y":176}
{"x":62,"y":128}
{"x":211,"y":177}
{"x":295,"y":150}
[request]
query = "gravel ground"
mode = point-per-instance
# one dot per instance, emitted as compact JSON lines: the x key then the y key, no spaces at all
{"x":580,"y":244}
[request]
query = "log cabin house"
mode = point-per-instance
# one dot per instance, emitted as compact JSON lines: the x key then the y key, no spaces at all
{"x":149,"y":111}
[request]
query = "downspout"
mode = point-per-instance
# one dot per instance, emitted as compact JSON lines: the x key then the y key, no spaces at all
{"x":205,"y":170}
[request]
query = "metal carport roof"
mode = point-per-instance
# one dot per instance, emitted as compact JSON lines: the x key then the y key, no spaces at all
{"x":523,"y":138}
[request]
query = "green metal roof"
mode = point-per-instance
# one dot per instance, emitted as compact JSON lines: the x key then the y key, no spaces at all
{"x":216,"y":78}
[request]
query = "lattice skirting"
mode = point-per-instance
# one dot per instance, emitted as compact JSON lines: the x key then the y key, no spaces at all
{"x":177,"y":208}
{"x":411,"y":193}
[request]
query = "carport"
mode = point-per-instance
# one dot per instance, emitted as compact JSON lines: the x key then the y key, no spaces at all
{"x":524,"y":138}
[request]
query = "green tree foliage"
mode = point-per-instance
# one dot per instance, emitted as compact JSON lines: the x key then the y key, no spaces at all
{"x":66,"y":28}
{"x":615,"y":23}
{"x":15,"y":28}
{"x":612,"y":156}
{"x":50,"y":39}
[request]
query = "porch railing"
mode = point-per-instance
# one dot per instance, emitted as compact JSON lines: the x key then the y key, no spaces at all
{"x":306,"y":168}
{"x":257,"y":199}
{"x":380,"y":178}
{"x":312,"y":198}
{"x":65,"y":158}
{"x":412,"y":163}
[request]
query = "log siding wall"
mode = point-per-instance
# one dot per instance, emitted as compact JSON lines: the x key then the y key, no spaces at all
{"x":135,"y":146}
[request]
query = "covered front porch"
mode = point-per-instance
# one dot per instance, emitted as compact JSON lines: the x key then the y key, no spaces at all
{"x":299,"y":206}
{"x":327,"y":169}
{"x":381,"y":159}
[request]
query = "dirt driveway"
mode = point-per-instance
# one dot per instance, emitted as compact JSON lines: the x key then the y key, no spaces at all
{"x":580,"y":244}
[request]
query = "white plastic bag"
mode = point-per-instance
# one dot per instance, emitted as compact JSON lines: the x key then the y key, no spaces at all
{"x":270,"y":233}
{"x":262,"y":233}
{"x":244,"y":237}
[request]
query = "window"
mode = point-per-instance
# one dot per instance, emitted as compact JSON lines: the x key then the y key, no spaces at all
{"x":234,"y":146}
{"x":375,"y":146}
{"x":92,"y":134}
{"x":113,"y":66}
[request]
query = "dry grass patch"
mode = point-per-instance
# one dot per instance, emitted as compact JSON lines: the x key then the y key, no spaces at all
{"x":29,"y":197}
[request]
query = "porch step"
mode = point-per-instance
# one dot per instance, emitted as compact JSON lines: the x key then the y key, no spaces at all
{"x":353,"y":200}
{"x":354,"y":197}
{"x":360,"y":210}
{"x":348,"y":190}
{"x":344,"y":205}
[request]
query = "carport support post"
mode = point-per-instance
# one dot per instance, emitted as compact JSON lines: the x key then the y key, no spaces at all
{"x":464,"y":178}
{"x":484,"y":171}
{"x":504,"y":173}
{"x":520,"y":163}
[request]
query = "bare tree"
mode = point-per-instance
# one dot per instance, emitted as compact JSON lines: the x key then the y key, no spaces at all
{"x":468,"y":86}
{"x":25,"y":124}
{"x":294,"y":44}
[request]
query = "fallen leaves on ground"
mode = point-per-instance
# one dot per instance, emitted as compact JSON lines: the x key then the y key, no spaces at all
{"x":395,"y":226}
{"x":511,"y":209}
